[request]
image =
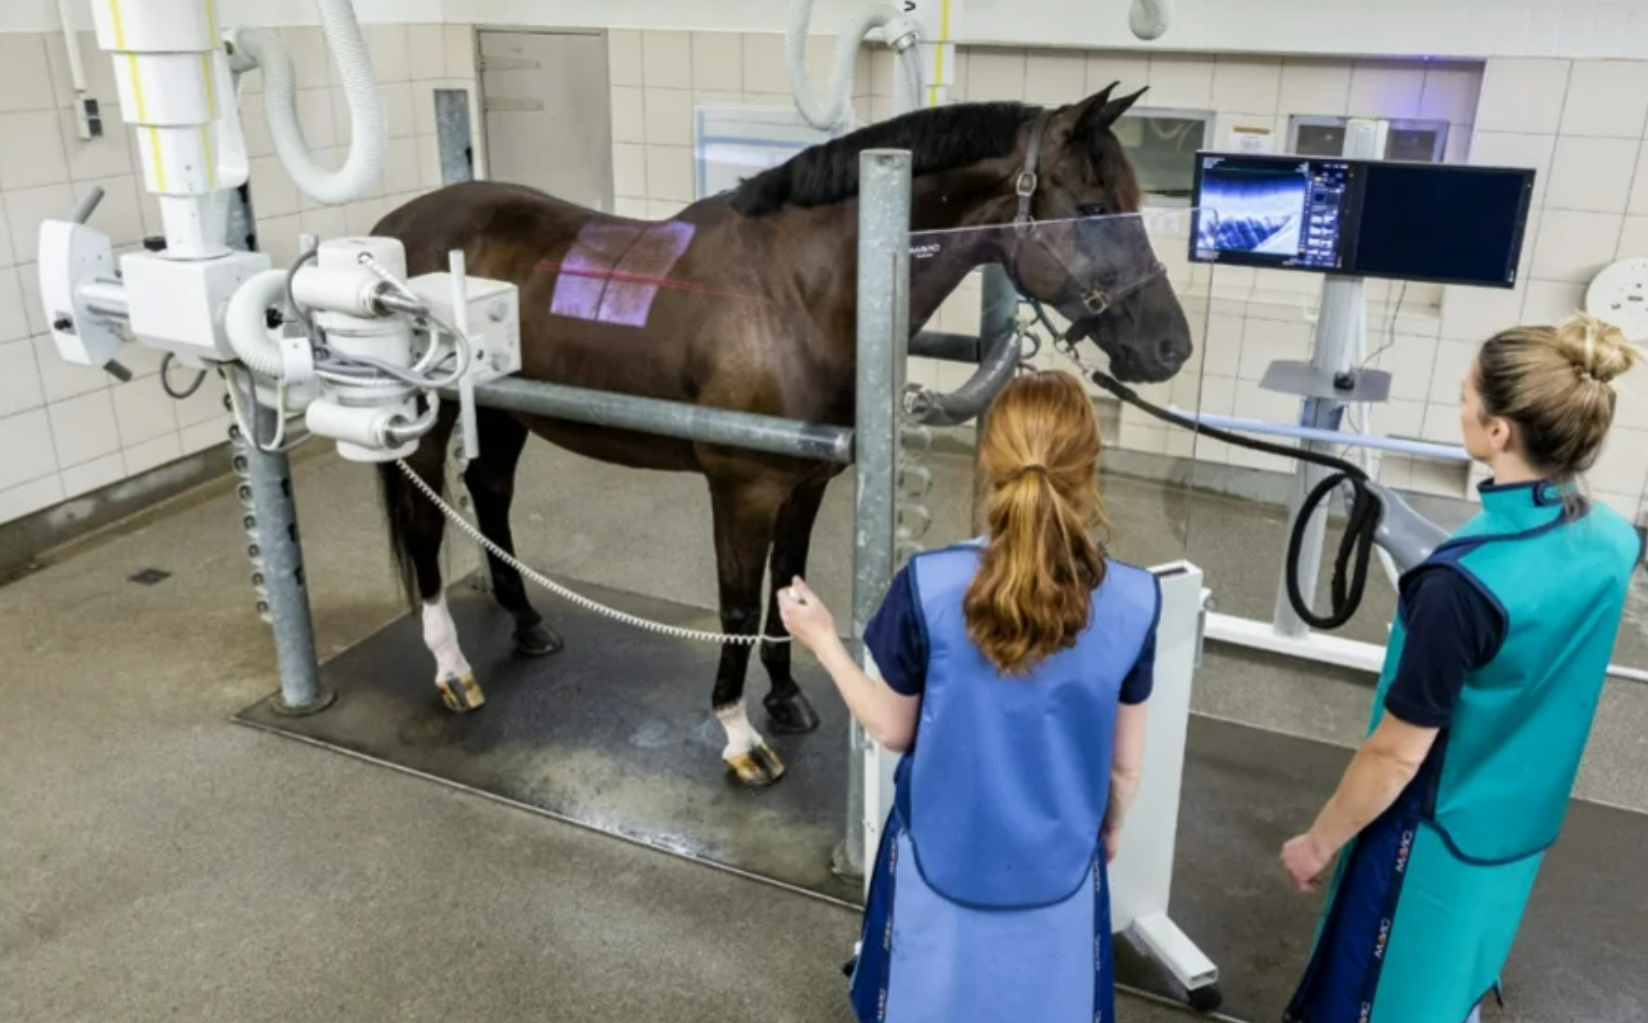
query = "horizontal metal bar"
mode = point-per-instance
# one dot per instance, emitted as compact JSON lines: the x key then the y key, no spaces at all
{"x":1327,"y":649}
{"x":1418,"y":449}
{"x":970,"y":399}
{"x":946,"y":345}
{"x":669,"y":419}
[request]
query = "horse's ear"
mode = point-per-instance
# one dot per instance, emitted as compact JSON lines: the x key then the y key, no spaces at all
{"x":1099,"y":111}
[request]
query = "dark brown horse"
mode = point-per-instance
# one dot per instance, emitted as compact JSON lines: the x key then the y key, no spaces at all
{"x":746,"y":301}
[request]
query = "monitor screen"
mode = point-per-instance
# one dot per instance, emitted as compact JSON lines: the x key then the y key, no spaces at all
{"x":1363,"y":218}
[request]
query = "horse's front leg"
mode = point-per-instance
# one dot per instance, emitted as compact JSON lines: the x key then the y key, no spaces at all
{"x":787,"y":706}
{"x":745,"y":512}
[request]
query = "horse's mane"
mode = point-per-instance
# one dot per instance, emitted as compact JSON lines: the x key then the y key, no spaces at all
{"x":940,"y":138}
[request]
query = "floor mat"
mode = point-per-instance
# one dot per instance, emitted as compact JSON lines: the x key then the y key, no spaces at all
{"x":615,"y":733}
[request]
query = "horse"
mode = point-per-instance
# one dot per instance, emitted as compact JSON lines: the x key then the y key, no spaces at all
{"x":746,"y":301}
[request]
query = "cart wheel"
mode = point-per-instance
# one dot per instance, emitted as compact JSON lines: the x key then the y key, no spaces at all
{"x":1206,"y":999}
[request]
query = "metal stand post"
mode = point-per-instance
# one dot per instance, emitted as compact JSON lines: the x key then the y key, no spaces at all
{"x":1341,"y":323}
{"x":883,"y":334}
{"x":271,"y":523}
{"x":998,"y":315}
{"x":480,"y":579}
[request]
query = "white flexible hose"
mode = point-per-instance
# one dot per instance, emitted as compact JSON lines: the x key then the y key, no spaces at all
{"x":836,"y":109}
{"x":675,"y":631}
{"x":368,"y":131}
{"x":244,"y":321}
{"x":1149,"y":18}
{"x":907,"y":88}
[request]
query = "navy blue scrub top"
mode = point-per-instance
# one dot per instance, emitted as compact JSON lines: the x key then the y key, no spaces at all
{"x":1452,"y":629}
{"x":898,"y":641}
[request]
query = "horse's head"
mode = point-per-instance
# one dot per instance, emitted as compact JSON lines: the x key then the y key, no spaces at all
{"x":1076,"y":247}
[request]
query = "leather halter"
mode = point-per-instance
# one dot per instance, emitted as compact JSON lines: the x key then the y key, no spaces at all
{"x":1094,"y":300}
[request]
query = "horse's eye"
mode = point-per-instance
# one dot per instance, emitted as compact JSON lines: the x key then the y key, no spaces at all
{"x":1092,"y":209}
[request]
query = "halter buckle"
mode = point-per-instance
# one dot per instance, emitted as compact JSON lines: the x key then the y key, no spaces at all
{"x":1095,"y":302}
{"x":1025,"y":187}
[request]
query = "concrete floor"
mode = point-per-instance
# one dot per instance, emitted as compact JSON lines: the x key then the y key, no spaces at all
{"x":162,"y":863}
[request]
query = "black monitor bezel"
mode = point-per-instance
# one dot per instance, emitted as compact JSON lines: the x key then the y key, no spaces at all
{"x":1288,"y":159}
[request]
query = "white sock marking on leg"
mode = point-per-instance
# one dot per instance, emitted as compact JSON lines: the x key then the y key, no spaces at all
{"x":440,"y":634}
{"x":741,"y":735}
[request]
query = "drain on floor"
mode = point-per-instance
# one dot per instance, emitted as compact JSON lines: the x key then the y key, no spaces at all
{"x":149,"y":576}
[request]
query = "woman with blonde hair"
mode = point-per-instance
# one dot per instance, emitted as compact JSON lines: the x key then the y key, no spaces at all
{"x":1015,"y":673}
{"x":1492,"y":676}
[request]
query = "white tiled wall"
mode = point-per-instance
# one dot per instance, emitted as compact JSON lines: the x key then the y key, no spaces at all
{"x":1583,"y":125}
{"x":66,"y":430}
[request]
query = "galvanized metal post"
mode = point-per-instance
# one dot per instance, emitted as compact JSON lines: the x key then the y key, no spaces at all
{"x":998,"y":313}
{"x":271,"y":523}
{"x":883,"y":336}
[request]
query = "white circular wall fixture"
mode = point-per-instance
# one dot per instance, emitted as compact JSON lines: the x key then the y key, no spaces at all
{"x":1619,"y":294}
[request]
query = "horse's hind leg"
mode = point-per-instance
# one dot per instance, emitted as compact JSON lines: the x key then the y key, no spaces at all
{"x":787,"y":706}
{"x":491,"y":482}
{"x":745,"y":512}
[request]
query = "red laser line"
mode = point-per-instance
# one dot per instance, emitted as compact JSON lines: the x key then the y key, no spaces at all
{"x":627,"y":277}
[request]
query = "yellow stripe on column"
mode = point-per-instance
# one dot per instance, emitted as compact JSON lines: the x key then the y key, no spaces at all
{"x":137,"y":89}
{"x":211,"y":164}
{"x":154,"y":154}
{"x":938,"y":51}
{"x":119,"y":28}
{"x":209,"y":80}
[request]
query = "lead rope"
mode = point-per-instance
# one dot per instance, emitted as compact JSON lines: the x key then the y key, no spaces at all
{"x":1350,"y":563}
{"x":674,"y":631}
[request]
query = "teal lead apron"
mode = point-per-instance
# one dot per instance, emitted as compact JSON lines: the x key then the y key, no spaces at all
{"x":1427,"y":900}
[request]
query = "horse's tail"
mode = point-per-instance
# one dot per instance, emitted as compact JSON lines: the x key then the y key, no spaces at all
{"x":402,"y":514}
{"x":415,"y":524}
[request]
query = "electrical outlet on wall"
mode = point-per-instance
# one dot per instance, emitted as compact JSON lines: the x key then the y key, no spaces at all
{"x":88,"y":119}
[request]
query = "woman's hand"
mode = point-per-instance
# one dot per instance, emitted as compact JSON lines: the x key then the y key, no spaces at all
{"x":1305,"y":859}
{"x":805,"y":616}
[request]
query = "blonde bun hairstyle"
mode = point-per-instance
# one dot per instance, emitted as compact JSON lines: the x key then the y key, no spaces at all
{"x":1555,"y":385}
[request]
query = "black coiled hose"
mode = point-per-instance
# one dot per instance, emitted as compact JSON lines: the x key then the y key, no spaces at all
{"x":1355,"y":547}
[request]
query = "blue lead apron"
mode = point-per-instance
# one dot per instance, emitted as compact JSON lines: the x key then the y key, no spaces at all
{"x":1426,"y":903}
{"x":989,"y":899}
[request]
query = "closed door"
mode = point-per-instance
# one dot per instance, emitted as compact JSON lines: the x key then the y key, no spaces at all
{"x":548,"y":119}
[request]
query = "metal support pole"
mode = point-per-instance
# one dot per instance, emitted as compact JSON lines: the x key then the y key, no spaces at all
{"x":998,"y":314}
{"x":271,"y":522}
{"x":883,"y":336}
{"x":1340,"y":324}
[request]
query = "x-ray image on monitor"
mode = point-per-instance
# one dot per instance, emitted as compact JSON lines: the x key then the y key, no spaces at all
{"x":1366,"y":218}
{"x":1261,"y":212}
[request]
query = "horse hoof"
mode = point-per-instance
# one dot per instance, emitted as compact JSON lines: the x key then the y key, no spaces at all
{"x":757,"y":767}
{"x":461,"y":694}
{"x":792,"y":714}
{"x":538,"y":640}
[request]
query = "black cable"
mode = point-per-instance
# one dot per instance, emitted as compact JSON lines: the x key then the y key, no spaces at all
{"x":1355,"y":547}
{"x":297,"y":310}
{"x":166,"y":381}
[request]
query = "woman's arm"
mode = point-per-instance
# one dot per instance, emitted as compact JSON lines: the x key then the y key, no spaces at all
{"x":1381,"y":769}
{"x":1452,"y":628}
{"x":1126,"y":768}
{"x":889,"y":717}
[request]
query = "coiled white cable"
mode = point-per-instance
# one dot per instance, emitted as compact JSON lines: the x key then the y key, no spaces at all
{"x":674,"y":631}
